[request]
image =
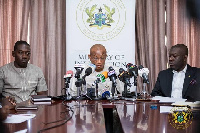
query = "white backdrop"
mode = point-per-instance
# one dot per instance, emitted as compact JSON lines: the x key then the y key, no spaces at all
{"x":85,"y":27}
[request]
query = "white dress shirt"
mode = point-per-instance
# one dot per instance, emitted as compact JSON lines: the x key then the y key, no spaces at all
{"x":177,"y":83}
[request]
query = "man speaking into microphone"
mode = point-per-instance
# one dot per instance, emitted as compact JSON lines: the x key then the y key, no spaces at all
{"x":97,"y":57}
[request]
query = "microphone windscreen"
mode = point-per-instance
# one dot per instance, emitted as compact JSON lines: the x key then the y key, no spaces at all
{"x":121,"y":70}
{"x":105,"y":74}
{"x":121,"y":73}
{"x":140,"y":67}
{"x":110,"y":68}
{"x":129,"y":65}
{"x":142,"y":71}
{"x":111,"y":71}
{"x":69,"y":72}
{"x":132,"y":69}
{"x":88,"y":71}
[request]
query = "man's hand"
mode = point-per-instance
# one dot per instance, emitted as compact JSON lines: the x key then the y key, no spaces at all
{"x":4,"y":112}
{"x":11,"y":100}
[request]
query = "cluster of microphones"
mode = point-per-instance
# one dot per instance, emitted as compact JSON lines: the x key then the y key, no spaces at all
{"x":133,"y":71}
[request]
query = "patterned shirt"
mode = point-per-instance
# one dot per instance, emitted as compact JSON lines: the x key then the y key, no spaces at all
{"x":21,"y":83}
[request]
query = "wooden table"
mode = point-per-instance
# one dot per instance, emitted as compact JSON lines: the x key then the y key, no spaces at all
{"x":134,"y":117}
{"x":141,"y":118}
{"x":88,"y":117}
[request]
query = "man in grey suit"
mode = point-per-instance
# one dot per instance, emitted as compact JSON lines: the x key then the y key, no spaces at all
{"x":180,"y":80}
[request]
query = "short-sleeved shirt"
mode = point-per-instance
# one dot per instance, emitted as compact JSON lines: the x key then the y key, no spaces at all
{"x":105,"y":86}
{"x":21,"y":83}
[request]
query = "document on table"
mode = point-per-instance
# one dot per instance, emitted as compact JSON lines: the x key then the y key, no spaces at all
{"x":19,"y":118}
{"x":168,"y":99}
{"x":191,"y":104}
{"x":22,"y":131}
{"x":165,"y":109}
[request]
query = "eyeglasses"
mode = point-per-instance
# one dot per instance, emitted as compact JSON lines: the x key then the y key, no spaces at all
{"x":96,"y":58}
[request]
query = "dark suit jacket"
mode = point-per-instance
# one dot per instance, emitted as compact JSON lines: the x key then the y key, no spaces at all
{"x":191,"y":86}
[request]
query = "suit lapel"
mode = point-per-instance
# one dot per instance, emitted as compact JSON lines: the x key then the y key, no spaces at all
{"x":169,"y":83}
{"x":188,"y":77}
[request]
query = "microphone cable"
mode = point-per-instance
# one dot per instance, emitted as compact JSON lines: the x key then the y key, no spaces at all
{"x":68,"y":109}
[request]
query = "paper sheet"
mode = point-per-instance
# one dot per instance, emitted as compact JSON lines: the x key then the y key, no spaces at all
{"x":19,"y":118}
{"x":168,"y":99}
{"x":165,"y":109}
{"x":191,"y":104}
{"x":22,"y":131}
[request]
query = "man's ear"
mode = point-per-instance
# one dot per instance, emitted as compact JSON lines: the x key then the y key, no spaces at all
{"x":13,"y":53}
{"x":89,"y":56}
{"x":185,"y":58}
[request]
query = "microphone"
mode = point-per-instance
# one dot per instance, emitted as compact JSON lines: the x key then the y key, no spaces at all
{"x":132,"y":69}
{"x":105,"y":74}
{"x":143,"y":72}
{"x":112,"y":75}
{"x":68,"y":76}
{"x":93,"y":66}
{"x":79,"y":68}
{"x":89,"y":70}
{"x":106,"y":95}
{"x":124,"y":76}
{"x":102,"y":77}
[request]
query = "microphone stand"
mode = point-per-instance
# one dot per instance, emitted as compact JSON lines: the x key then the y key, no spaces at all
{"x":126,"y":81}
{"x":85,"y":90}
{"x":135,"y":84}
{"x":78,"y":84}
{"x":125,"y":93}
{"x":113,"y":89}
{"x":144,"y":93}
{"x":79,"y":81}
{"x":96,"y":89}
{"x":67,"y":95}
{"x":125,"y":89}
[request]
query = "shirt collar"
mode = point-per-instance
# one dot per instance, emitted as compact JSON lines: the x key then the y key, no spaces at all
{"x":19,"y":70}
{"x":184,"y":70}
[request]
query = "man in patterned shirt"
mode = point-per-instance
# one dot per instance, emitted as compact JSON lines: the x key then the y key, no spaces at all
{"x":19,"y":79}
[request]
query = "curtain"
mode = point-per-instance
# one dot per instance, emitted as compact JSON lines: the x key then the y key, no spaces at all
{"x":182,"y":28}
{"x":154,"y":36}
{"x":151,"y":51}
{"x":47,"y":39}
{"x":13,"y":26}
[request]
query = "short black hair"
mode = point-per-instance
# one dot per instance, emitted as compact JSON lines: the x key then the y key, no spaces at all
{"x":19,"y":43}
{"x":183,"y":47}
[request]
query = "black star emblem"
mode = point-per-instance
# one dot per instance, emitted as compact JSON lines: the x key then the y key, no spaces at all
{"x":100,"y":10}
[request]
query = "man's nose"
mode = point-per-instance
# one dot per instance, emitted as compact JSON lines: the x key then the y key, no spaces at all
{"x":24,"y":56}
{"x":99,"y":61}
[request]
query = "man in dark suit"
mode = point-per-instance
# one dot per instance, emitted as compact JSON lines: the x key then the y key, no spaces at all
{"x":180,"y":80}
